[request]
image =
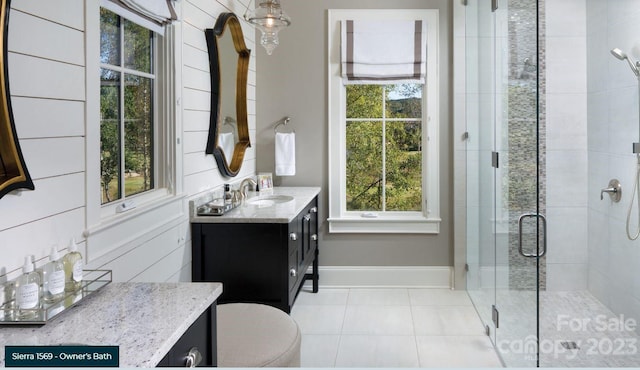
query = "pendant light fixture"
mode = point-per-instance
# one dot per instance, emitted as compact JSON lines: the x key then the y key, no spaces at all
{"x":269,"y":17}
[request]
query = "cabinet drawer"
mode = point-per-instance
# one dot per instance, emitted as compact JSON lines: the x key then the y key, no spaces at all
{"x":199,"y":339}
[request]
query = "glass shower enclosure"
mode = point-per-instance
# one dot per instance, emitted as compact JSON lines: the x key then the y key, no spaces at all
{"x":550,"y":271}
{"x":505,"y":192}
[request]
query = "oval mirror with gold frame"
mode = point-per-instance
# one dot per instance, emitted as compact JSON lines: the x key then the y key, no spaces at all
{"x":13,"y":172}
{"x":228,"y":127}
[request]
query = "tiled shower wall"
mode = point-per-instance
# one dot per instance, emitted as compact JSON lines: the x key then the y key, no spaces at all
{"x":562,"y":150}
{"x":526,"y":118}
{"x":566,"y":152}
{"x":563,"y":144}
{"x":613,"y":259}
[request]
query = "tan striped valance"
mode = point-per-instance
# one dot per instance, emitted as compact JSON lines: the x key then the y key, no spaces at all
{"x":151,"y":14}
{"x":385,"y":51}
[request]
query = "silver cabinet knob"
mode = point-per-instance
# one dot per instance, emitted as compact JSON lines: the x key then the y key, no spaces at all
{"x":314,"y":210}
{"x":293,"y":273}
{"x":314,"y":237}
{"x":307,"y":217}
{"x":194,"y":358}
{"x":293,"y":236}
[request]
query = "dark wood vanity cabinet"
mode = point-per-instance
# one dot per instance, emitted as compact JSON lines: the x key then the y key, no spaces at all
{"x":258,"y":262}
{"x":197,"y":346}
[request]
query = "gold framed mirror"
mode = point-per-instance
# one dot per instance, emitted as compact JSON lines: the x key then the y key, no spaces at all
{"x":13,"y":172}
{"x":228,"y":127}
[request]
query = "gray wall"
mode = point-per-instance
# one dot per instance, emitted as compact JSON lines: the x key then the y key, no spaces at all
{"x":293,"y":82}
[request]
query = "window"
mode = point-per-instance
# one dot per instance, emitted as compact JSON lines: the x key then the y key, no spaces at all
{"x":384,"y":147}
{"x":127,"y":100}
{"x":383,"y":140}
{"x":133,"y":122}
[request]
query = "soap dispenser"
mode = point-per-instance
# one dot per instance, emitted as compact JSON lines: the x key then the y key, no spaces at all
{"x":54,"y":278}
{"x":72,"y":262}
{"x":28,"y":290}
{"x":228,"y":195}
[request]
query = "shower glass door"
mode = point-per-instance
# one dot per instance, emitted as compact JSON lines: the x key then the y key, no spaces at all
{"x":505,"y":224}
{"x":480,"y":143}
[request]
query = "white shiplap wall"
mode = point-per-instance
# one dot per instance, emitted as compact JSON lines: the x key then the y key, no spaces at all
{"x":48,"y":86}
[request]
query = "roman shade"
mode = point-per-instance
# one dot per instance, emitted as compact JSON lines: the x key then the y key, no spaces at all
{"x":151,"y":14}
{"x":383,"y":52}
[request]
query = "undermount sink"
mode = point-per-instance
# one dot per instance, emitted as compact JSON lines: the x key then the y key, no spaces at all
{"x":268,"y":200}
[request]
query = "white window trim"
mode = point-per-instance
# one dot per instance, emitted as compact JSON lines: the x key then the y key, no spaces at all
{"x":150,"y":207}
{"x":340,"y":220}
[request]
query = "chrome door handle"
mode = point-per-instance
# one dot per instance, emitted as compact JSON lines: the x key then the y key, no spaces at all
{"x":544,"y":235}
{"x":194,"y":358}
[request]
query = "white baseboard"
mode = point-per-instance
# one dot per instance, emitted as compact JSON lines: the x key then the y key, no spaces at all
{"x":385,"y":277}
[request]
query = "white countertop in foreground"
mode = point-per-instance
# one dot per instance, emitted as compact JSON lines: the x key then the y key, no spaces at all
{"x":278,"y":213}
{"x":143,"y":319}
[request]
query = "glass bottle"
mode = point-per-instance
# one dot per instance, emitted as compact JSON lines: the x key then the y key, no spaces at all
{"x":54,"y":277}
{"x":28,"y":291}
{"x":9,"y":289}
{"x":2,"y":302}
{"x":72,"y":262}
{"x":228,"y":196}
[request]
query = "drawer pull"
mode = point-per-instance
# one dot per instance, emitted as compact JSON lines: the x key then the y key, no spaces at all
{"x":314,"y":210}
{"x":307,"y":217}
{"x":293,"y":236}
{"x":293,"y":273}
{"x":194,"y":358}
{"x":314,"y":237}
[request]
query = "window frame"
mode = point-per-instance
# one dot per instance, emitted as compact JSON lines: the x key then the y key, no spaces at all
{"x":343,"y":221}
{"x":110,"y":207}
{"x":149,"y":209}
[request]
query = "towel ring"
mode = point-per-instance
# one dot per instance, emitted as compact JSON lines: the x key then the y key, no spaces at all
{"x":229,"y":121}
{"x":284,"y":121}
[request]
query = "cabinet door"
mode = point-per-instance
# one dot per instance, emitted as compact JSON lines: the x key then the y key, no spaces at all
{"x":295,"y":252}
{"x":310,"y":226}
{"x":250,"y":260}
{"x":200,"y":338}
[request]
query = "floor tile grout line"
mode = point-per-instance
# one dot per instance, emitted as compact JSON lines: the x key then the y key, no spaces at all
{"x":342,"y":335}
{"x":415,"y":336}
{"x":344,"y":317}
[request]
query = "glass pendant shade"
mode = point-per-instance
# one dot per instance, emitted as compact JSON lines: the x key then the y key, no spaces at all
{"x":269,"y":17}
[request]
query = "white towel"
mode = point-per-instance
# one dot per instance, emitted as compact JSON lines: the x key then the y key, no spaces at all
{"x":227,"y":144}
{"x":285,"y":154}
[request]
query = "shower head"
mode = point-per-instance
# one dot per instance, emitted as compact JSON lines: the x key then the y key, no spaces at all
{"x":635,"y":67}
{"x":618,"y":53}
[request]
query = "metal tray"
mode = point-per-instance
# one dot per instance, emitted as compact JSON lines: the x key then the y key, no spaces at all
{"x":93,"y":281}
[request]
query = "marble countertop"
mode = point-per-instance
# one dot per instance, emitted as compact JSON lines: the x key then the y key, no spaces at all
{"x":144,"y":319}
{"x":277,"y":213}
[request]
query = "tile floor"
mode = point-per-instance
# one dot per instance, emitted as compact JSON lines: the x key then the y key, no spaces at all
{"x":391,"y":328}
{"x":602,"y":338}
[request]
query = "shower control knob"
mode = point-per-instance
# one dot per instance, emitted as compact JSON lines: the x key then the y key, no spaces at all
{"x":614,"y":189}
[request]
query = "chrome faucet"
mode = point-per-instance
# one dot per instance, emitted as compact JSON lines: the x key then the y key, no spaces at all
{"x":243,"y":187}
